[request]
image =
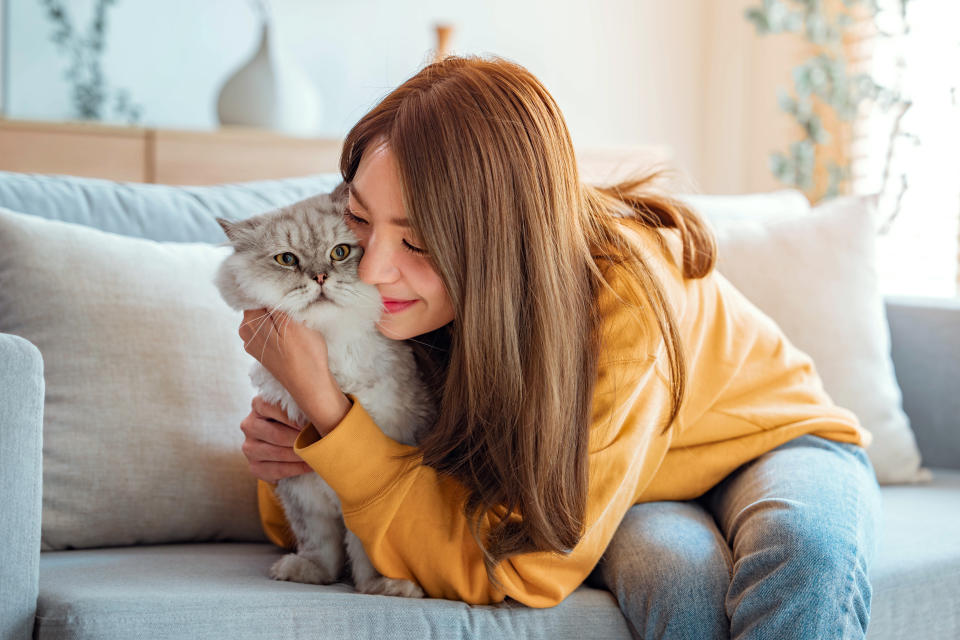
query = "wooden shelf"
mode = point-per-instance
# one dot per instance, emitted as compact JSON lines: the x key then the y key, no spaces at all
{"x":228,"y":154}
{"x":137,"y":154}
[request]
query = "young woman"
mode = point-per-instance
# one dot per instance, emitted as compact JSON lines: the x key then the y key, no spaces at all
{"x":611,"y":407}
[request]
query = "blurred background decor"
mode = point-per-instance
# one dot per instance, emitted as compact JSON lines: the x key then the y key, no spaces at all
{"x":270,"y":91}
{"x":89,"y":90}
{"x":875,"y":102}
{"x":827,"y":87}
{"x":691,"y":83}
{"x":444,"y":33}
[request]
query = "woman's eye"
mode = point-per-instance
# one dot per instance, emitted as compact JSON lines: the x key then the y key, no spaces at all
{"x":340,"y":252}
{"x":353,"y":218}
{"x":406,"y":245}
{"x":286,"y":259}
{"x":412,"y":249}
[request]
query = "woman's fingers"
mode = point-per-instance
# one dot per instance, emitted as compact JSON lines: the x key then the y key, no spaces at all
{"x":268,"y":447}
{"x":258,"y":428}
{"x":271,"y":411}
{"x":265,"y":452}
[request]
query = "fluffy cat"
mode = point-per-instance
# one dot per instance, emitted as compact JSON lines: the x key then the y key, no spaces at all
{"x":302,"y":259}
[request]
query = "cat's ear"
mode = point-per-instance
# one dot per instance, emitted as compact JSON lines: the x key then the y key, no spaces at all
{"x":234,"y":229}
{"x":339,"y":193}
{"x":226,"y":225}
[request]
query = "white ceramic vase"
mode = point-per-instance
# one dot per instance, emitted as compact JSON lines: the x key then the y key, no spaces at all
{"x":270,"y":91}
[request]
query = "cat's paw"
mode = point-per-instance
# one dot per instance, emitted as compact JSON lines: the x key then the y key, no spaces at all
{"x":384,"y":586}
{"x":298,"y":569}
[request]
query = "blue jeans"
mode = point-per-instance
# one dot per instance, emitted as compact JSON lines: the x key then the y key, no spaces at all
{"x":780,"y":548}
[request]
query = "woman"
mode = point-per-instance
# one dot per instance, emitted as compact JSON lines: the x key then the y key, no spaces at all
{"x":611,"y":406}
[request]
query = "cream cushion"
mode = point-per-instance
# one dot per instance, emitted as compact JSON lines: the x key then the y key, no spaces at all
{"x":813,"y":271}
{"x":146,"y":385}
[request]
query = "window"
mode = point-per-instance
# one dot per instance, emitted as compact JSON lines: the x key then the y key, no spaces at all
{"x":919,"y":248}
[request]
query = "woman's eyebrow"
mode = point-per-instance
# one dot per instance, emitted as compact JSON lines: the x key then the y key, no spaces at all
{"x":400,"y":222}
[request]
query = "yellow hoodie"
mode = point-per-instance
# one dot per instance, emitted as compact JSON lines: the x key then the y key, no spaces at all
{"x":749,"y":390}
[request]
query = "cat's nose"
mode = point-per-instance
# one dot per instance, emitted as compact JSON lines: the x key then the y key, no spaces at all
{"x":320,"y":277}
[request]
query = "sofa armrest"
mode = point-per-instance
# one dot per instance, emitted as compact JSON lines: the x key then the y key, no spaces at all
{"x":21,"y":480}
{"x":925,"y":345}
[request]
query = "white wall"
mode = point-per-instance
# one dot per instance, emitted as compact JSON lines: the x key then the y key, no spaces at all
{"x":682,"y":73}
{"x":741,"y":120}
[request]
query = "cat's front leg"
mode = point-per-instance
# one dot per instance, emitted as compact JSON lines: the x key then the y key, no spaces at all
{"x":320,"y":555}
{"x":367,"y":579}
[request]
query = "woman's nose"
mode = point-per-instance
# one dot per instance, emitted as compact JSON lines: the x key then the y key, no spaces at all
{"x":376,"y":265}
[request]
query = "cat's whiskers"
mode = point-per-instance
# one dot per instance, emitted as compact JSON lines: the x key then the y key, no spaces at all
{"x":283,"y":327}
{"x":265,"y":318}
{"x":269,"y":311}
{"x":279,"y":347}
{"x":283,"y":324}
{"x":254,"y":319}
{"x":270,"y":320}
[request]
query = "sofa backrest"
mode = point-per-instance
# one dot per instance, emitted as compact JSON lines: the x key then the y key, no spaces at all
{"x":154,"y":211}
{"x":770,"y":245}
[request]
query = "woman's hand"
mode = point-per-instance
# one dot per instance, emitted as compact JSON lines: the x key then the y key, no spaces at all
{"x":269,"y":440}
{"x":297,"y":357}
{"x":294,"y":354}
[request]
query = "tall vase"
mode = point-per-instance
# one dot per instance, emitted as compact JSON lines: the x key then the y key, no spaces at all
{"x":270,"y":91}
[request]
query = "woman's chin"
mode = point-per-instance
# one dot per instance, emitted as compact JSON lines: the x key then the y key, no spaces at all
{"x":388,"y":330}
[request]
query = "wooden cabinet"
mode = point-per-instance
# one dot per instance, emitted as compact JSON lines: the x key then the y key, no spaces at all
{"x":229,"y":154}
{"x":138,"y":154}
{"x":81,"y":150}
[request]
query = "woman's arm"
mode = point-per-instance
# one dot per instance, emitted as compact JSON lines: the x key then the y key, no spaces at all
{"x":410,"y":518}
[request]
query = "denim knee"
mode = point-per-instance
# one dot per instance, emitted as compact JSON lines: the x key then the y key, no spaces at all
{"x":806,"y":539}
{"x":811,"y":565}
{"x":669,"y":568}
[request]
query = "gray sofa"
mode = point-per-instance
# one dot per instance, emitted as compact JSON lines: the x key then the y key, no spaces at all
{"x":221,"y":590}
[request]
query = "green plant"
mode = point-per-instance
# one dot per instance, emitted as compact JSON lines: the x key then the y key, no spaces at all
{"x":825,"y":75}
{"x":89,"y":89}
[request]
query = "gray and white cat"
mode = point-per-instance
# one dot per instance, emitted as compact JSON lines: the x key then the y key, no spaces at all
{"x":302,"y":259}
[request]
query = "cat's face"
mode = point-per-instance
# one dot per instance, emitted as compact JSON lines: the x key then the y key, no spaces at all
{"x":301,"y":259}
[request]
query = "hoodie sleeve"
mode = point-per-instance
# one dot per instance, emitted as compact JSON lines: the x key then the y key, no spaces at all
{"x":409,"y":516}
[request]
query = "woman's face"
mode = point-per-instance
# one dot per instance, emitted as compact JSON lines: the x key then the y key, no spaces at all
{"x":390,"y":261}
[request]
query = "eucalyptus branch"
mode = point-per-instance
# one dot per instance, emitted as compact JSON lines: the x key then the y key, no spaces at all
{"x":888,"y":161}
{"x":89,"y":90}
{"x":826,"y":76}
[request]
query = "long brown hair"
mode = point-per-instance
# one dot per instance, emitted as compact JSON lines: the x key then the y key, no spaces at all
{"x":491,"y":189}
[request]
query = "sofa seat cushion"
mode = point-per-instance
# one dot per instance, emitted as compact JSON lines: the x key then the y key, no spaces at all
{"x":916,"y":574}
{"x":220,"y":590}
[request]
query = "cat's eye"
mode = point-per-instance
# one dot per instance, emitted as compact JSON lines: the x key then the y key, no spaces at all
{"x":340,"y":252}
{"x":286,"y":259}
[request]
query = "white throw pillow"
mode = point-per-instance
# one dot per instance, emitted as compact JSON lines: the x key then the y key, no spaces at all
{"x":146,"y":377}
{"x":813,"y":271}
{"x":146,"y":385}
